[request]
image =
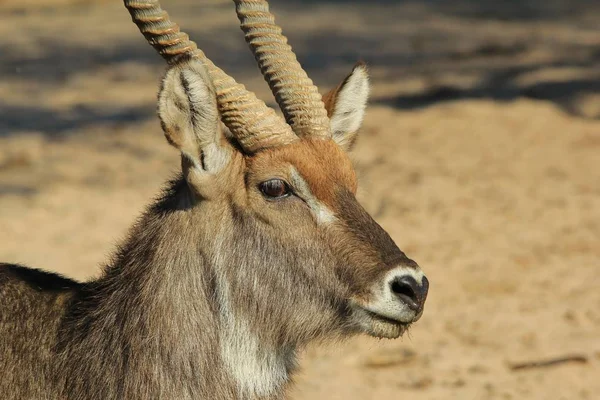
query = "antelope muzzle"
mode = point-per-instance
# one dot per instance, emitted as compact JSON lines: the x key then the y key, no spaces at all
{"x":388,"y":290}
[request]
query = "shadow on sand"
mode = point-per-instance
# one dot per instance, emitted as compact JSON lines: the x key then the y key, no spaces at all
{"x":325,"y":52}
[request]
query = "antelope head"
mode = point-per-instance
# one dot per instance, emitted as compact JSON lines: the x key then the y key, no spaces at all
{"x":290,"y":245}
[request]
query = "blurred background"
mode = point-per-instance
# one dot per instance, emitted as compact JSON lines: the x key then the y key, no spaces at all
{"x":480,"y":154}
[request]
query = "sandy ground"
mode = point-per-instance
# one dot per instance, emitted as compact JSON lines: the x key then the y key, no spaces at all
{"x":480,"y":155}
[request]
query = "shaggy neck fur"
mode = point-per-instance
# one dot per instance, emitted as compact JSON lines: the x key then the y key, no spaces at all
{"x":172,"y":310}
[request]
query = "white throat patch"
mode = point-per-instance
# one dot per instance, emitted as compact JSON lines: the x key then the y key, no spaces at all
{"x":259,"y":372}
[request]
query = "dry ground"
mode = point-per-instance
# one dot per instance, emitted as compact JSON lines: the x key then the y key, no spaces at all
{"x":480,"y":155}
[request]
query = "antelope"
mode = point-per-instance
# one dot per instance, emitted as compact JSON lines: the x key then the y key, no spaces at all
{"x":257,"y":248}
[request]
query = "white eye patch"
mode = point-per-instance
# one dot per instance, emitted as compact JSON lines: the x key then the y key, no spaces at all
{"x":321,"y":212}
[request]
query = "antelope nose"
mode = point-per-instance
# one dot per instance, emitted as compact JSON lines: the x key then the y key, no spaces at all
{"x":410,"y":292}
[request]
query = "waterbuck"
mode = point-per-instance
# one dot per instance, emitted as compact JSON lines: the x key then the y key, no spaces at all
{"x":256,"y":249}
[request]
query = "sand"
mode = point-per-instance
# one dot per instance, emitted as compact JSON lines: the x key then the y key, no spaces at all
{"x":480,"y":154}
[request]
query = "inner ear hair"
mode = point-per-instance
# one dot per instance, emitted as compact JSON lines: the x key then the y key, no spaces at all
{"x":346,"y":105}
{"x":189,"y":117}
{"x":204,"y":117}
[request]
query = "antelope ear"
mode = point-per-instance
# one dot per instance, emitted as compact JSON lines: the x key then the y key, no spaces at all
{"x":346,"y":106}
{"x":189,"y":117}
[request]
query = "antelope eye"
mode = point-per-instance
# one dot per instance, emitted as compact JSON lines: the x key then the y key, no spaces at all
{"x":275,"y":189}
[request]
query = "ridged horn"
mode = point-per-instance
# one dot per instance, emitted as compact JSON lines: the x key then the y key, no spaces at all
{"x":254,"y":125}
{"x":295,"y":93}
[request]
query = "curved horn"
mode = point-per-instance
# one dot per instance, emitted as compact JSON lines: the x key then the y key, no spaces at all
{"x":295,"y":93}
{"x":254,"y":125}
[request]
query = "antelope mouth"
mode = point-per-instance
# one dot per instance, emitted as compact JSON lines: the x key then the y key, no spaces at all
{"x":378,"y":325}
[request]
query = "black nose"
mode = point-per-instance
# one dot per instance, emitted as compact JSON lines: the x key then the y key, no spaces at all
{"x":410,"y":292}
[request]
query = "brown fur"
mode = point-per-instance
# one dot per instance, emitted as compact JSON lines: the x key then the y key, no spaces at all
{"x":330,"y":98}
{"x":324,"y":165}
{"x":216,"y":287}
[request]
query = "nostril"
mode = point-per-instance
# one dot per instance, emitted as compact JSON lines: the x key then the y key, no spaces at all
{"x":406,"y":289}
{"x":401,"y":288}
